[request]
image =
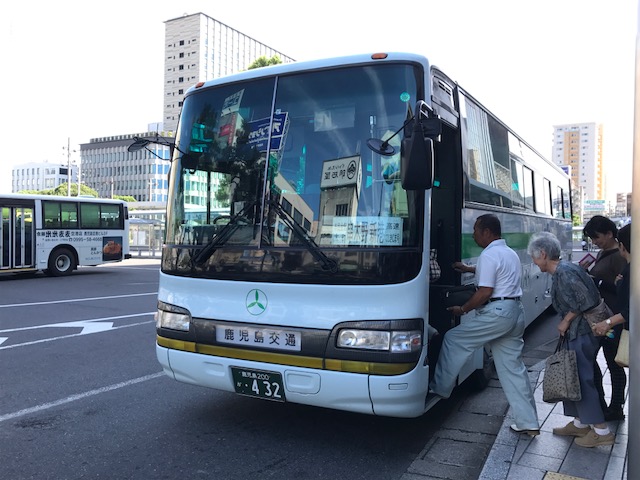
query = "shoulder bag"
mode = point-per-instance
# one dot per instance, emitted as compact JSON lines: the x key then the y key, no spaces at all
{"x":561,"y":381}
{"x":622,"y":356}
{"x":598,"y":314}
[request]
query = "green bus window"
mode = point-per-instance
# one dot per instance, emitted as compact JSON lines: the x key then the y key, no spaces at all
{"x":89,"y":215}
{"x":110,"y":216}
{"x":69,"y":215}
{"x":51,"y":212}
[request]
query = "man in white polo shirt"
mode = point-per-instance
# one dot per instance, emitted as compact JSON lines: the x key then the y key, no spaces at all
{"x":498,"y":322}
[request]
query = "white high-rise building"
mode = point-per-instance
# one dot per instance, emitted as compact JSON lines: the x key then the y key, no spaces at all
{"x":199,"y":48}
{"x":579,"y":146}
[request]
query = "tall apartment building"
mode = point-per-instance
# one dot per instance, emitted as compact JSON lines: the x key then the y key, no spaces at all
{"x":579,"y":146}
{"x":41,"y":176}
{"x":200,"y":48}
{"x":197,"y":48}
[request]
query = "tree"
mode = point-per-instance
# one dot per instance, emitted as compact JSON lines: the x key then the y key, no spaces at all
{"x":576,"y":220}
{"x":61,"y":191}
{"x":126,"y":198}
{"x":263,"y":61}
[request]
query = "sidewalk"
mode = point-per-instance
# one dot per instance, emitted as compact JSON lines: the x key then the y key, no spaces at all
{"x":550,"y":457}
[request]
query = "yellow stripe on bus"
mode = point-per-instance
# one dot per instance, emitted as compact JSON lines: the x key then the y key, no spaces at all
{"x":371,"y":368}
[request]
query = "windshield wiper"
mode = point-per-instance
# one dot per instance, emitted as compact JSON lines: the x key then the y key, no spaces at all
{"x":221,"y":238}
{"x":325,"y":262}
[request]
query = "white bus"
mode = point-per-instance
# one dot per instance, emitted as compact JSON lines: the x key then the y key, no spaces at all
{"x":340,"y":175}
{"x":58,"y":234}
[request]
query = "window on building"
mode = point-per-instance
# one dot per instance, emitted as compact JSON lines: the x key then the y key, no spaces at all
{"x":342,"y":210}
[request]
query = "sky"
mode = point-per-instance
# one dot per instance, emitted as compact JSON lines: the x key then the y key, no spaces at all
{"x":76,"y":70}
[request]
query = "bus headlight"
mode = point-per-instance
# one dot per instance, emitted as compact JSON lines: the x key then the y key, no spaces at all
{"x":394,"y":342}
{"x":406,"y":341}
{"x":366,"y":339}
{"x":172,"y":317}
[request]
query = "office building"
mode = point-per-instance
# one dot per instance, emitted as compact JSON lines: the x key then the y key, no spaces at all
{"x":110,"y":169}
{"x":41,"y":176}
{"x":623,"y":205}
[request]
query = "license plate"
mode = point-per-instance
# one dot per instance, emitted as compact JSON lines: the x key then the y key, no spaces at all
{"x":258,"y":383}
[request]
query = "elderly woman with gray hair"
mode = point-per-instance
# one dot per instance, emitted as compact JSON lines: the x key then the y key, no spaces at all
{"x":574,"y":292}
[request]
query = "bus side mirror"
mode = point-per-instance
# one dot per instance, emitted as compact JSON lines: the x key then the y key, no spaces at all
{"x":417,"y":157}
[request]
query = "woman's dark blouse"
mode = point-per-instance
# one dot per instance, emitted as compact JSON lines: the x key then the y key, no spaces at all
{"x":573,"y":290}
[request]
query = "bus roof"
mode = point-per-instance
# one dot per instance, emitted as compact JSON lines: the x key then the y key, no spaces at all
{"x":284,"y":68}
{"x":35,"y":196}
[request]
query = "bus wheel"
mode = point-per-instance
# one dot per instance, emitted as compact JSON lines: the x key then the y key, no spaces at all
{"x":61,"y":262}
{"x":479,"y":379}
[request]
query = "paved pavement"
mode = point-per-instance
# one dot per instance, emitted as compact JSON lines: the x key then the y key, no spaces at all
{"x":481,"y":425}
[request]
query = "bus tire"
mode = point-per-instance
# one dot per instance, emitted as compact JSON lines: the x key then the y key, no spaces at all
{"x":62,"y":262}
{"x":480,"y":378}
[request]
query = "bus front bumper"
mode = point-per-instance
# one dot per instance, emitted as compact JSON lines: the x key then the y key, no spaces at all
{"x":385,"y":395}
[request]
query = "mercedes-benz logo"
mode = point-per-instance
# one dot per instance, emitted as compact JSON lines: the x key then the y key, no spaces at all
{"x":256,"y":302}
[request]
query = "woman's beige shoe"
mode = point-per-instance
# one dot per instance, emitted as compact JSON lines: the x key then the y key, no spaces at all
{"x":570,"y":430}
{"x":592,"y":439}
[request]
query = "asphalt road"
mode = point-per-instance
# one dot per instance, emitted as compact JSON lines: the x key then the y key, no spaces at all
{"x":82,"y":396}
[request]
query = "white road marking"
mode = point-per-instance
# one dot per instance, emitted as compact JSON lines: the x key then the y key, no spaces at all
{"x":89,"y":299}
{"x":25,"y":344}
{"x":88,"y":326}
{"x":79,"y":396}
{"x":76,"y":324}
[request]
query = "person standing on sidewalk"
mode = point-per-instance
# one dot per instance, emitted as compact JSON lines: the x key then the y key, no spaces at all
{"x":608,"y":265}
{"x":574,"y":292}
{"x":623,"y":286}
{"x":498,"y":322}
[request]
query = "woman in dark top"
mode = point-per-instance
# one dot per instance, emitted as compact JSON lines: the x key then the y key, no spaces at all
{"x":573,"y":292}
{"x":608,"y":265}
{"x":621,"y":318}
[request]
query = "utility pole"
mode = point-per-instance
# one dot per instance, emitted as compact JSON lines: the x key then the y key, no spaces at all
{"x":68,"y":166}
{"x":79,"y":175}
{"x":68,"y":147}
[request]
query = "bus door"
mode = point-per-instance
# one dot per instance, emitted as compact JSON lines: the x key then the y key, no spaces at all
{"x":17,"y":239}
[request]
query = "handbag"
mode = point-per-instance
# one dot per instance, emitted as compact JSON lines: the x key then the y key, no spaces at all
{"x":622,"y":356}
{"x":598,"y":314}
{"x":561,"y":381}
{"x":455,"y":296}
{"x":434,"y":266}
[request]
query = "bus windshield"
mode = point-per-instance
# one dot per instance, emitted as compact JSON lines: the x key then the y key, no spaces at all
{"x":285,"y":160}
